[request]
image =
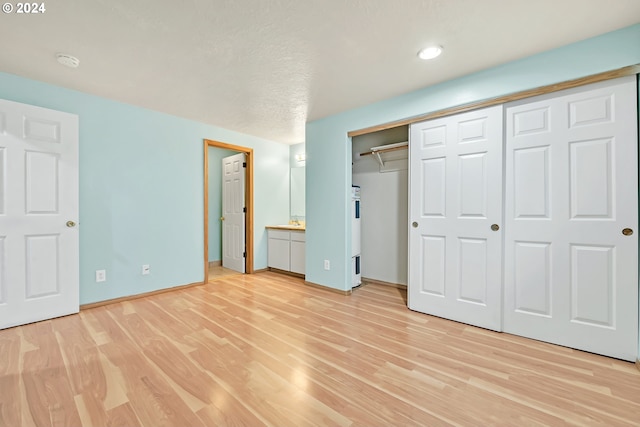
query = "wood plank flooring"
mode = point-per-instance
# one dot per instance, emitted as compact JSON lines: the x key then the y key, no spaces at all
{"x":218,"y":271}
{"x":265,"y":349}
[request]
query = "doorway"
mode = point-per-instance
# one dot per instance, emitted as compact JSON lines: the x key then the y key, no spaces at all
{"x":248,"y":202}
{"x":383,"y":182}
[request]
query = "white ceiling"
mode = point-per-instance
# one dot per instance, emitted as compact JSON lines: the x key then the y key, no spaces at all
{"x":265,"y":67}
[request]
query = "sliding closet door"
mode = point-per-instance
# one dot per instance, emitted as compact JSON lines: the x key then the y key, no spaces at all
{"x":571,"y":247}
{"x":455,"y":235}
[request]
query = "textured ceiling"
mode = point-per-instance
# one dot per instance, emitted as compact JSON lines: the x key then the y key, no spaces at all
{"x":265,"y":67}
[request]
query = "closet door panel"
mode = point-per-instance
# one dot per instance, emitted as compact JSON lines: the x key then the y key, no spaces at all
{"x":433,"y":256}
{"x":473,"y":185}
{"x":592,"y":285}
{"x":434,"y":187}
{"x":571,"y":190}
{"x":473,"y":281}
{"x":532,"y":198}
{"x":532,"y":278}
{"x":455,"y":182}
{"x":591,"y":172}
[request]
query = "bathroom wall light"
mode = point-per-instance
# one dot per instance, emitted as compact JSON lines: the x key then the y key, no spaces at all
{"x":301,"y":157}
{"x":430,"y":52}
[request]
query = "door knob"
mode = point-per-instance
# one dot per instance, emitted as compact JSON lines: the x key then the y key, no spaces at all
{"x":221,"y":218}
{"x":71,"y":224}
{"x":414,"y":224}
{"x":627,"y":232}
{"x":495,"y":227}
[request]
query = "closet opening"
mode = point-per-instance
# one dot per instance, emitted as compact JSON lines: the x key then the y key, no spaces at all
{"x":380,"y":169}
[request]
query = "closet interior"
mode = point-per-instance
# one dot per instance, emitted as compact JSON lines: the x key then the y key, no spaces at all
{"x":380,"y":169}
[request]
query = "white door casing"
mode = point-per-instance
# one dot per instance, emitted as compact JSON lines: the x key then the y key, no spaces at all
{"x":233,"y":212}
{"x":39,"y":251}
{"x":455,"y":187}
{"x":571,"y":276}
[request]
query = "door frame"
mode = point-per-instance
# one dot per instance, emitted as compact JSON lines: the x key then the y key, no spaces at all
{"x":248,"y":196}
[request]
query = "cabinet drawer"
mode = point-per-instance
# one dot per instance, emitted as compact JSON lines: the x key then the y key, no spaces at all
{"x":278,"y":234}
{"x":297,"y":236}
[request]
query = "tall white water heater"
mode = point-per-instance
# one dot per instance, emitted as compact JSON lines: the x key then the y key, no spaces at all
{"x":356,"y":276}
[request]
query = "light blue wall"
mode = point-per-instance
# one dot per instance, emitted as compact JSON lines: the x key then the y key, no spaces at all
{"x":329,"y":149}
{"x":141,"y":190}
{"x":215,"y":201}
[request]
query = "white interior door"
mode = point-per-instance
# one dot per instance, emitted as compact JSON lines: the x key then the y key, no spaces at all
{"x":455,"y":187}
{"x":39,"y":267}
{"x":233,"y":212}
{"x":571,"y":275}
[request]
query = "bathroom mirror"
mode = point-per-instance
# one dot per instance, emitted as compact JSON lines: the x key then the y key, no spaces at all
{"x":297,"y":193}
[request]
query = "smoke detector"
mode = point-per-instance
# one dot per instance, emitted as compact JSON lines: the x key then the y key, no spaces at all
{"x":68,"y":60}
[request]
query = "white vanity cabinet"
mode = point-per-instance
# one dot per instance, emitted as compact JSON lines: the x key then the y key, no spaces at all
{"x":296,"y":258}
{"x":286,"y":249}
{"x":278,"y":251}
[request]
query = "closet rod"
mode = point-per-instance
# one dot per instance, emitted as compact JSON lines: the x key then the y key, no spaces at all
{"x":385,"y":149}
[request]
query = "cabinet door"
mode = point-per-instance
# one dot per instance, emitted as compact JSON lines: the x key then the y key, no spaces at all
{"x":297,"y":256}
{"x":278,"y":251}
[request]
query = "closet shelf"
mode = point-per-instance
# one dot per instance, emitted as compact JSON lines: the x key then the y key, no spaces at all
{"x":377,"y":151}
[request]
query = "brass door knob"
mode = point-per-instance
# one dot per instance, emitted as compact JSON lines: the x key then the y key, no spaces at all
{"x":627,"y":231}
{"x":71,"y":224}
{"x":221,"y":218}
{"x":414,"y":224}
{"x":495,"y":227}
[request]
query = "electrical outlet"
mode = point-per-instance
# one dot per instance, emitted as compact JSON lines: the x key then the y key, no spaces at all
{"x":101,"y":275}
{"x":145,"y":269}
{"x":327,"y":265}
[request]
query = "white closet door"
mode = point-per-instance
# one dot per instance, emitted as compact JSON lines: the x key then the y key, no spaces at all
{"x":455,"y":181}
{"x":571,"y":275}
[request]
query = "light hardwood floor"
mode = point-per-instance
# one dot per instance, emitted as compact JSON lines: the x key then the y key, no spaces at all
{"x":265,"y":349}
{"x":218,"y":271}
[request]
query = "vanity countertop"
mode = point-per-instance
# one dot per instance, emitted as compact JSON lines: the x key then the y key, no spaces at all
{"x":291,"y":227}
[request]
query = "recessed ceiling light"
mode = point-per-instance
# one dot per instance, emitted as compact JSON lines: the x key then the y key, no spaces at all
{"x":68,"y":60}
{"x":430,"y":52}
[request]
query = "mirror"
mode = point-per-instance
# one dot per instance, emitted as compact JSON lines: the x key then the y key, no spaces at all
{"x":297,"y":193}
